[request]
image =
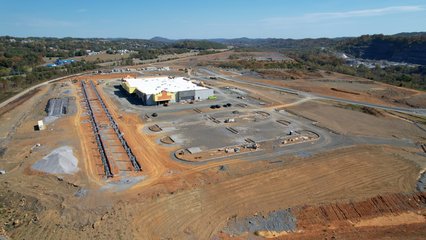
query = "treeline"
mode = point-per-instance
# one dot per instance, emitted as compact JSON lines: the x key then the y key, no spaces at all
{"x":145,"y":54}
{"x":18,"y":55}
{"x":69,"y":47}
{"x":319,"y":54}
{"x":177,"y":47}
{"x":403,"y":47}
{"x":243,"y":44}
{"x":40,"y":74}
{"x":403,"y":76}
{"x":198,"y":45}
{"x":30,"y":51}
{"x":255,"y":65}
{"x":21,"y":59}
{"x":309,"y":62}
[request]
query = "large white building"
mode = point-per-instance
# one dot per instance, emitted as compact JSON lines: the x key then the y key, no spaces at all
{"x":163,"y":89}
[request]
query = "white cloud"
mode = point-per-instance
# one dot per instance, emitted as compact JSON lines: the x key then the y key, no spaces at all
{"x":82,"y":10}
{"x":315,"y":17}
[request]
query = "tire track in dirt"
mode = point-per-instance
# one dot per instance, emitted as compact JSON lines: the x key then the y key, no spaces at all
{"x":355,"y":174}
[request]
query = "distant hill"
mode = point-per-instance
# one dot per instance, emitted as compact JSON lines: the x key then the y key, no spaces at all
{"x":278,"y":43}
{"x":401,"y":47}
{"x":410,"y":34}
{"x":404,"y":47}
{"x":162,"y":40}
{"x":198,"y":44}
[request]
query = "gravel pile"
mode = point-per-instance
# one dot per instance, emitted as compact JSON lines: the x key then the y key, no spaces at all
{"x":282,"y":220}
{"x":59,"y":161}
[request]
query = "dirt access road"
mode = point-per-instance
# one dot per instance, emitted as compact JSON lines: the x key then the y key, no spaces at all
{"x":417,"y":111}
{"x":19,"y":95}
{"x":182,"y":201}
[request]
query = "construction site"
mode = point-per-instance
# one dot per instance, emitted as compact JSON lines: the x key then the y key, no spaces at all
{"x":183,"y":149}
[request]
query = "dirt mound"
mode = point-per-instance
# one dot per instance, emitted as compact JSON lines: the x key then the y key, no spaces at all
{"x":59,"y":161}
{"x":167,"y":140}
{"x":355,"y":211}
{"x":314,"y":220}
{"x":371,"y":111}
{"x":155,"y":128}
{"x":345,"y":91}
{"x":363,"y":109}
{"x":418,"y":101}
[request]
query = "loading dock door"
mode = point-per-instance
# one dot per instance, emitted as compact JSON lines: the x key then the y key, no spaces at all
{"x":186,"y":98}
{"x":187,"y":95}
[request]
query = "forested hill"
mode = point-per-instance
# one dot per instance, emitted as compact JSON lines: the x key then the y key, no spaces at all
{"x":402,"y":47}
{"x":409,"y":48}
{"x":278,"y":43}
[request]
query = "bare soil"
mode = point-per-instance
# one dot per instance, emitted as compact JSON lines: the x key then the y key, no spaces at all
{"x":354,"y":122}
{"x":372,"y":185}
{"x":18,"y":102}
{"x":367,"y":219}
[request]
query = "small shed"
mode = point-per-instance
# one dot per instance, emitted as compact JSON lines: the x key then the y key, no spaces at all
{"x":41,"y":125}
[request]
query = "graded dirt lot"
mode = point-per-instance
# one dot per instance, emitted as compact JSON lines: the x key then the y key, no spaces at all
{"x":354,"y":122}
{"x":358,"y":179}
{"x":347,"y":87}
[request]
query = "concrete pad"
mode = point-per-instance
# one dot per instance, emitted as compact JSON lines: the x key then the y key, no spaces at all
{"x":194,"y":150}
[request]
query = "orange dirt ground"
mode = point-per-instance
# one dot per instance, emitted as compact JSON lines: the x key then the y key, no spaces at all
{"x":356,"y":220}
{"x":343,"y":121}
{"x":176,"y":200}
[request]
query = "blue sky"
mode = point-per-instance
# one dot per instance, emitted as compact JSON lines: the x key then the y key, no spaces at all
{"x":210,"y":18}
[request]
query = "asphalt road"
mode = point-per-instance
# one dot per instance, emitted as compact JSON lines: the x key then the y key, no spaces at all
{"x":416,"y":111}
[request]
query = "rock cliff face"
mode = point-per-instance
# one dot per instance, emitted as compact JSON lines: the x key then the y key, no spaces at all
{"x":398,"y":49}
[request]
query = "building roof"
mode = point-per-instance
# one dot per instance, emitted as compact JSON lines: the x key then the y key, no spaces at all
{"x":154,"y":85}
